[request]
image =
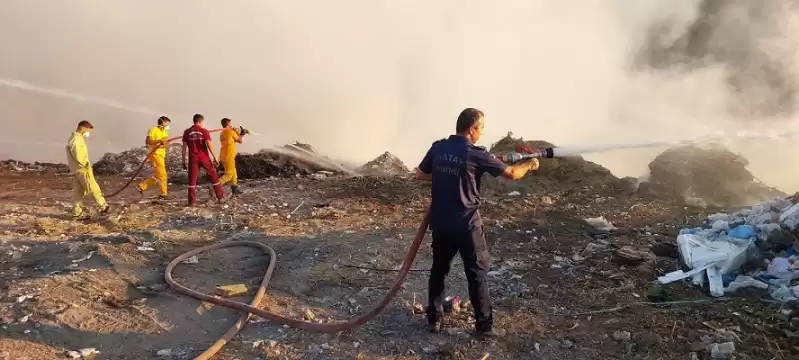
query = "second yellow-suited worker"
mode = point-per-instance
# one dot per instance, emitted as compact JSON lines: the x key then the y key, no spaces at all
{"x":157,"y":140}
{"x":227,"y":155}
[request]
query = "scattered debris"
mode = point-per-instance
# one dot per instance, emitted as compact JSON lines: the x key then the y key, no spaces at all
{"x":232,"y":290}
{"x":82,"y":353}
{"x":728,"y":242}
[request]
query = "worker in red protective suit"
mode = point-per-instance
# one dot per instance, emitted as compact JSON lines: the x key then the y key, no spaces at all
{"x":197,"y":140}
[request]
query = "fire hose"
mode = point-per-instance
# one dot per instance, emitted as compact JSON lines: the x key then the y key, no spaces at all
{"x":143,"y":162}
{"x":252,"y":309}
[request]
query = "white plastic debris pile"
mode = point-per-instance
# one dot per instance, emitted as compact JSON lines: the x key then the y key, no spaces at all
{"x":718,"y":251}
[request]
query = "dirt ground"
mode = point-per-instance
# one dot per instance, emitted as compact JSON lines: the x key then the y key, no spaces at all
{"x":558,"y":290}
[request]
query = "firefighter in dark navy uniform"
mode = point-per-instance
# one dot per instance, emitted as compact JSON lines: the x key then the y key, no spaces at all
{"x":455,"y":166}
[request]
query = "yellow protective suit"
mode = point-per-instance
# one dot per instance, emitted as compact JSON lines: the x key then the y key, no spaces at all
{"x":158,"y":160}
{"x":83,"y":182}
{"x":227,"y":156}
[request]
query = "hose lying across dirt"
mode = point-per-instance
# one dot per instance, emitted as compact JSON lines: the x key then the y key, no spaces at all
{"x":146,"y":158}
{"x":252,"y":309}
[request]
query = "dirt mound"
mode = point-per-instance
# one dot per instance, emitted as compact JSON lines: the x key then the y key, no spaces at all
{"x":267,"y":164}
{"x":385,"y":164}
{"x":128,"y":161}
{"x":283,"y":162}
{"x":711,"y":173}
{"x":555,"y":173}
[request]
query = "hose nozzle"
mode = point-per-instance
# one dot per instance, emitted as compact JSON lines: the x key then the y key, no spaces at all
{"x":243,"y":131}
{"x":517,"y":156}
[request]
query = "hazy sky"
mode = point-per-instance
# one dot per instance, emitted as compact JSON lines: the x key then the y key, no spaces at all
{"x":359,"y":77}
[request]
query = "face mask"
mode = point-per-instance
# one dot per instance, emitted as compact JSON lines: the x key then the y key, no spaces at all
{"x":166,"y":127}
{"x":86,"y":134}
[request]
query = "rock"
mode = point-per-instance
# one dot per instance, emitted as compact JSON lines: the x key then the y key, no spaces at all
{"x":649,"y":339}
{"x":593,"y":247}
{"x":454,"y":331}
{"x":164,"y":352}
{"x":693,"y":356}
{"x":309,"y":315}
{"x":630,"y":256}
{"x":722,"y":351}
{"x":231,"y":290}
{"x":698,"y":346}
{"x":567,"y":344}
{"x":622,"y":336}
{"x":537,"y":347}
{"x":191,"y":260}
{"x":546,"y":200}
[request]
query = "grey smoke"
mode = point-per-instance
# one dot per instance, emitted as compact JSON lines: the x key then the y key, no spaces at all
{"x":752,"y":40}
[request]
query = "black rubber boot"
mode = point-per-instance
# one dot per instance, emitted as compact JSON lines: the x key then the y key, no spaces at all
{"x":235,"y":189}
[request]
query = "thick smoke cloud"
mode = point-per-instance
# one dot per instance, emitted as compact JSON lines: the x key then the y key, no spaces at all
{"x":356,"y":78}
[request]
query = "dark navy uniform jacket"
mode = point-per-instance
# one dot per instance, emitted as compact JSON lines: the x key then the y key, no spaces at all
{"x":457,"y":166}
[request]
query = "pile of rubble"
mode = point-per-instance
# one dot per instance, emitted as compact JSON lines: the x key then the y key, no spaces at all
{"x":756,"y":247}
{"x":127,"y":162}
{"x":385,"y":164}
{"x":712,"y":174}
{"x":289,"y":160}
{"x":285,"y":163}
{"x":21,"y":166}
{"x":555,"y":173}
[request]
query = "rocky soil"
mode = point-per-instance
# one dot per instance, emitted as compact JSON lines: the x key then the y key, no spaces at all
{"x":562,"y":289}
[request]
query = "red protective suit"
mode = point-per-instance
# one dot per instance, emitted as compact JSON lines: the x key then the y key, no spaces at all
{"x":195,"y":138}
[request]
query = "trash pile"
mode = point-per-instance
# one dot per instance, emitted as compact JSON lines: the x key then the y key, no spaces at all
{"x":128,"y":161}
{"x":555,"y":173}
{"x":21,"y":166}
{"x":290,"y":160}
{"x":755,"y":247}
{"x":711,"y":173}
{"x":385,"y":164}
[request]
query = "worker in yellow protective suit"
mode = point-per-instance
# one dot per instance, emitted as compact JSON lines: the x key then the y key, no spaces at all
{"x":157,"y":140}
{"x":227,"y":155}
{"x":83,"y":182}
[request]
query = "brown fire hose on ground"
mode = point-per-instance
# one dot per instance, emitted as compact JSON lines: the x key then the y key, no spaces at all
{"x":252,"y":309}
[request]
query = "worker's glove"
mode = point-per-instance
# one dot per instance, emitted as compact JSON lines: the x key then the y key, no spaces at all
{"x":534,"y":163}
{"x":243,"y":131}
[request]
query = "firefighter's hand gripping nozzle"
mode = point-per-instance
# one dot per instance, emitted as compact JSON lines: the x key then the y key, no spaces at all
{"x":525,"y":153}
{"x":244,"y":131}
